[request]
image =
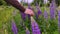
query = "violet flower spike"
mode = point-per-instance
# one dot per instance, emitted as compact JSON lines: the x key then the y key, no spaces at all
{"x":35,"y":27}
{"x":39,"y":11}
{"x":45,"y":14}
{"x":52,"y":10}
{"x":23,"y":16}
{"x":14,"y":28}
{"x":29,"y":6}
{"x":59,"y":21}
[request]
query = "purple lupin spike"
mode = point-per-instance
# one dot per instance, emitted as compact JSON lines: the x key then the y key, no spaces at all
{"x":23,"y":16}
{"x":38,"y":11}
{"x":37,"y":7}
{"x":14,"y":28}
{"x":52,"y":9}
{"x":29,"y":6}
{"x":27,"y":31}
{"x":45,"y":14}
{"x":59,"y":21}
{"x":35,"y":27}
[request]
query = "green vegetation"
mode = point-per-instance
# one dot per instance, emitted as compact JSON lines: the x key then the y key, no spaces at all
{"x":5,"y":20}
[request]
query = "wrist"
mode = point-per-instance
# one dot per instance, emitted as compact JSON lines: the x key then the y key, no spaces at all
{"x":25,"y":11}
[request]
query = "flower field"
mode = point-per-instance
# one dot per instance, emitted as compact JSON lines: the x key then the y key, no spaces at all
{"x":9,"y":16}
{"x":46,"y":20}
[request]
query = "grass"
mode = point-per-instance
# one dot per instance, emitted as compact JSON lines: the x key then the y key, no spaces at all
{"x":6,"y":15}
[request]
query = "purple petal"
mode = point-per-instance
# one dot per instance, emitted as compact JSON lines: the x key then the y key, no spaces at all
{"x":14,"y":28}
{"x":39,"y":11}
{"x":23,"y":16}
{"x":59,"y":20}
{"x":35,"y":27}
{"x":52,"y":10}
{"x":45,"y":14}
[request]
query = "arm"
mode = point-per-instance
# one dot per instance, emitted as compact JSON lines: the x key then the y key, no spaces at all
{"x":16,"y":4}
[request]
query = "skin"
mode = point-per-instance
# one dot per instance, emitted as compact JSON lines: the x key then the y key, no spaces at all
{"x":29,"y":11}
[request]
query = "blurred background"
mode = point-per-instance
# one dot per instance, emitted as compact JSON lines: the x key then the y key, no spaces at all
{"x":9,"y":14}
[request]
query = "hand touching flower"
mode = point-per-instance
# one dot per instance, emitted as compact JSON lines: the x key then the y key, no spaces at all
{"x":29,"y":11}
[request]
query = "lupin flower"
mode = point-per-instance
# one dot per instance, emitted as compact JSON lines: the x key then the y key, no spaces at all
{"x":39,"y":11}
{"x":52,"y":10}
{"x":29,"y":6}
{"x":35,"y":27}
{"x":59,"y":21}
{"x":27,"y":31}
{"x":45,"y":14}
{"x":23,"y":16}
{"x":14,"y":28}
{"x":37,"y":7}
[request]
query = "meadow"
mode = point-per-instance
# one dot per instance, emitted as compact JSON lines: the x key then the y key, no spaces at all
{"x":7,"y":13}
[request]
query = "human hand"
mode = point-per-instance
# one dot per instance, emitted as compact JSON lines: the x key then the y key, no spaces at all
{"x":29,"y":11}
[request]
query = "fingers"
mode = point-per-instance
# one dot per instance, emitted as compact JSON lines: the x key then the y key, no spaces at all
{"x":32,"y":14}
{"x":29,"y":11}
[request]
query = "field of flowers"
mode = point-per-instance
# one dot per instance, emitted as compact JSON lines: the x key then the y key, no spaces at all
{"x":45,"y":21}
